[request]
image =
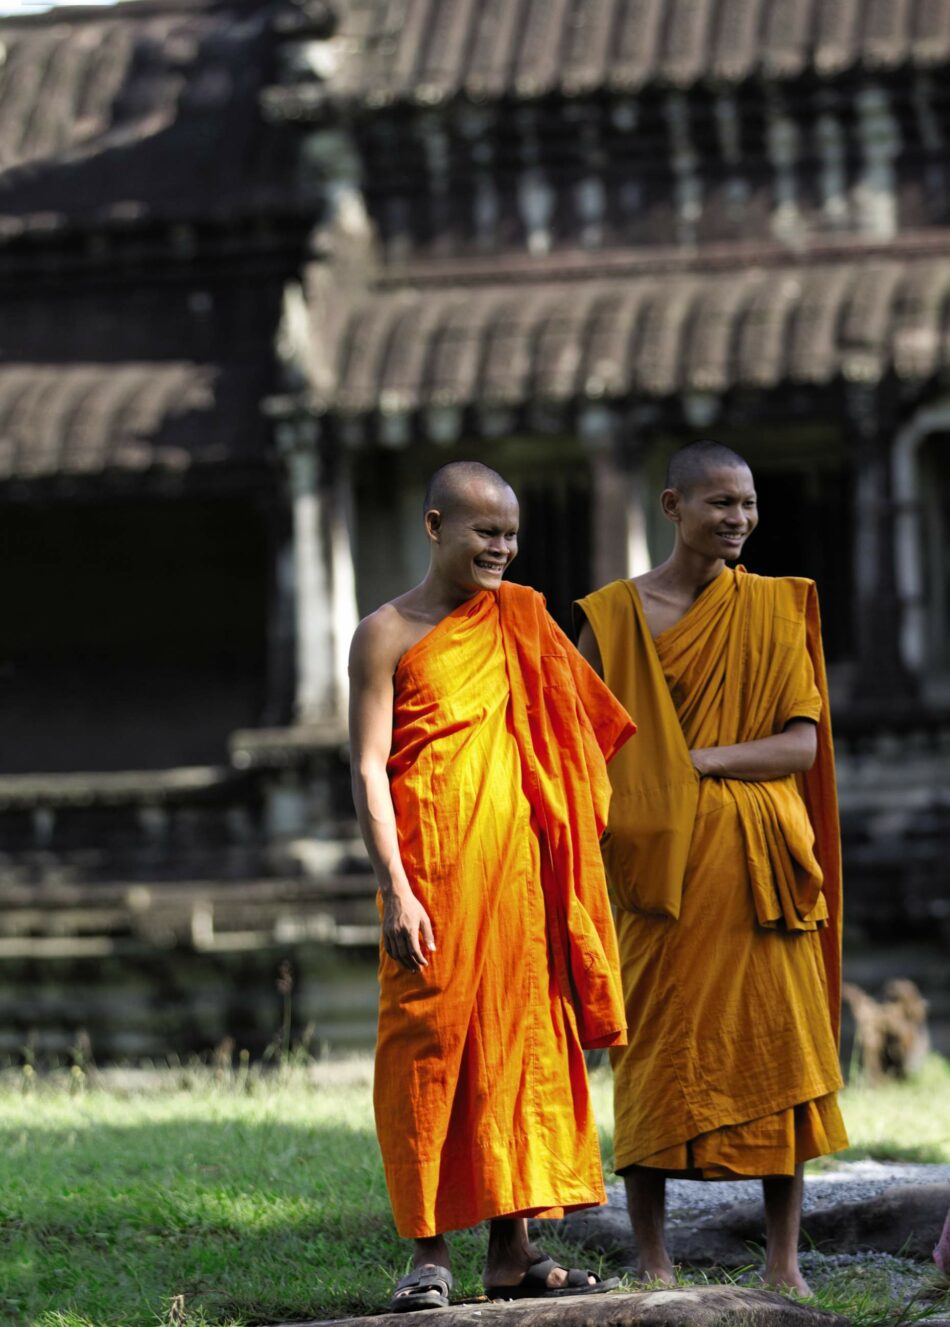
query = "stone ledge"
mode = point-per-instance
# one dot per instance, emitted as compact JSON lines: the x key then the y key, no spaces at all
{"x":904,"y":1220}
{"x":683,"y":1306}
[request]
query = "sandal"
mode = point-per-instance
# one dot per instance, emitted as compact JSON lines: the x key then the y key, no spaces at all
{"x":534,"y":1283}
{"x":423,"y":1288}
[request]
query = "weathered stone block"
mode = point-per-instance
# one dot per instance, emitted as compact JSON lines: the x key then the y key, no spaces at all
{"x":682,"y":1306}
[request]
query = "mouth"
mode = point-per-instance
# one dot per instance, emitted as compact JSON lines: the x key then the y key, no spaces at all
{"x":492,"y":568}
{"x":731,"y":537}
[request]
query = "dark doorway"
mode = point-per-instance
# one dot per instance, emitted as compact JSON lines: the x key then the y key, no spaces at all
{"x":554,"y":544}
{"x":135,"y":633}
{"x":935,"y":529}
{"x":805,"y":529}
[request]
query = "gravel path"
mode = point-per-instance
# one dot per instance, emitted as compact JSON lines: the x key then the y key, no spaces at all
{"x":849,"y":1182}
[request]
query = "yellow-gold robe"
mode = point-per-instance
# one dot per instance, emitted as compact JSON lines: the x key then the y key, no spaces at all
{"x":499,"y":785}
{"x":727,"y":891}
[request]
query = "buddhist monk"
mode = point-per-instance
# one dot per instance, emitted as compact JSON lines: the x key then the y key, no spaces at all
{"x":479,"y":741}
{"x":723,"y":858}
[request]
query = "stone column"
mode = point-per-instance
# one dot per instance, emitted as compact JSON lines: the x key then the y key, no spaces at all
{"x":881,"y":675}
{"x":339,"y":499}
{"x":324,"y":581}
{"x":910,"y":534}
{"x":618,"y":519}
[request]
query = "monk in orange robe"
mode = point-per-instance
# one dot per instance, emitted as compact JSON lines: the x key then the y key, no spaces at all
{"x":479,"y":742}
{"x":723,"y":858}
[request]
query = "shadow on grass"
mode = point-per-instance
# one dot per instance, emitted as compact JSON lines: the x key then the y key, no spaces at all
{"x":258,"y":1222}
{"x":887,"y":1149}
{"x":252,"y":1222}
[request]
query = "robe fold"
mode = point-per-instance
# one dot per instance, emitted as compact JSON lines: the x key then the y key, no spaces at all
{"x":728,"y":891}
{"x":498,"y":780}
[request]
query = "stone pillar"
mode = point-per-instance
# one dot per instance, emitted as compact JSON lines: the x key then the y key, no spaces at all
{"x":618,"y":519}
{"x":324,"y":581}
{"x":881,"y":676}
{"x":878,"y":132}
{"x":339,"y":498}
{"x":910,"y":535}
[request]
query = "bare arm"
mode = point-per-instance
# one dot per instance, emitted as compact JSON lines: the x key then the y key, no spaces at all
{"x":373,"y":657}
{"x":588,"y":648}
{"x":791,"y":751}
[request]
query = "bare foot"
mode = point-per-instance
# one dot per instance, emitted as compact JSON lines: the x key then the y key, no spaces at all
{"x":787,"y":1278}
{"x":660,"y":1269}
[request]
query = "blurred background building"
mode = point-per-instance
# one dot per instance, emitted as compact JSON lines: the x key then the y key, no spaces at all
{"x":264,"y":264}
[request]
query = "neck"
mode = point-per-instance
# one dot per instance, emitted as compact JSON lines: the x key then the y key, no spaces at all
{"x":438,"y":595}
{"x":689,"y":572}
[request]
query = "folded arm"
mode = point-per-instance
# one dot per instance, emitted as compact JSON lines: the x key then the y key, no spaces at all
{"x":372,"y":662}
{"x":791,"y":751}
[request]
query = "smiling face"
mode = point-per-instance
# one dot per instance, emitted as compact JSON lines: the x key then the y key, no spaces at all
{"x":718,"y":513}
{"x":476,"y":539}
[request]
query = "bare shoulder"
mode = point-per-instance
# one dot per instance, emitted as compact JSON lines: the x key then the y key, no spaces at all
{"x":661,"y":608}
{"x":646,"y":584}
{"x":380,"y":641}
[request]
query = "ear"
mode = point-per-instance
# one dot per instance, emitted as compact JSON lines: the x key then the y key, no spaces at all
{"x":434,"y":524}
{"x":670,"y":500}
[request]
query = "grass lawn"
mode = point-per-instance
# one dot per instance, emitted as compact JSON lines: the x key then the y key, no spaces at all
{"x":260,"y":1200}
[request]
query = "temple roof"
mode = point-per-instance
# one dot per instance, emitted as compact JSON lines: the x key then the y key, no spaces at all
{"x":644,"y":335}
{"x":82,"y":419}
{"x":425,"y":51}
{"x":145,"y":112}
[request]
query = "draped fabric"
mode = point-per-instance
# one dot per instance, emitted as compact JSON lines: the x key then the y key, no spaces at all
{"x":728,"y":891}
{"x":481,"y":1096}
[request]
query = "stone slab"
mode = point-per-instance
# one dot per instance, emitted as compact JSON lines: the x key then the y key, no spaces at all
{"x":681,"y":1306}
{"x":903,"y":1220}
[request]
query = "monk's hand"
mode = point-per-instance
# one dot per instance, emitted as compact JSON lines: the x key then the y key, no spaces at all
{"x":407,"y":930}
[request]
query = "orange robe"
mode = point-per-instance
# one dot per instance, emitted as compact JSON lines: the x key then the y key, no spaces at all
{"x":499,"y":784}
{"x":728,"y":891}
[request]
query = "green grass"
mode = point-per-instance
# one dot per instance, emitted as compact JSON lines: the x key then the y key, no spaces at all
{"x":901,"y":1121}
{"x":260,"y":1200}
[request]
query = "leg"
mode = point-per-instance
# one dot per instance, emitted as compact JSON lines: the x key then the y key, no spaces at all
{"x":783,"y":1214}
{"x":646,"y":1203}
{"x":510,"y":1254}
{"x":432,"y":1252}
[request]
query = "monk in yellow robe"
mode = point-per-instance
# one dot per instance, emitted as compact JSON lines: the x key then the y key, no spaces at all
{"x":479,"y":746}
{"x":723,"y":858}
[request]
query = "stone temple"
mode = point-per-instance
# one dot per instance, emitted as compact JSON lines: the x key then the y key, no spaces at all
{"x":264,"y":264}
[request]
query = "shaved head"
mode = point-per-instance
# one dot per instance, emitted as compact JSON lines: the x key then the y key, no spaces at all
{"x":690,"y":465}
{"x":450,"y":486}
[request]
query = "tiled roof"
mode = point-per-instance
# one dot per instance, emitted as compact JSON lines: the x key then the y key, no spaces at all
{"x":652,"y":336}
{"x":82,"y":419}
{"x":148,"y":111}
{"x":427,"y":50}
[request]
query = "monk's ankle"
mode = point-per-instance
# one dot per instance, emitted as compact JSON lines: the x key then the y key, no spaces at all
{"x":431,"y":1252}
